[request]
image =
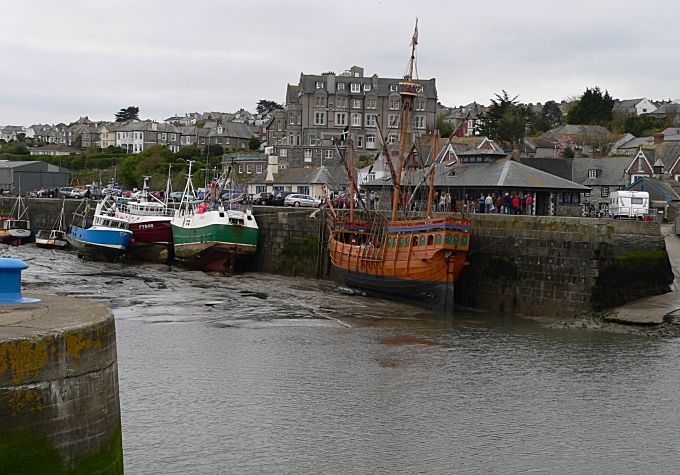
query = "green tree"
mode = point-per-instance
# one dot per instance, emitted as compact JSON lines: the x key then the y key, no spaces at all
{"x":506,"y":121}
{"x":594,"y":108}
{"x":214,"y":151}
{"x":188,"y":153}
{"x":127,"y":113}
{"x":445,"y":128}
{"x":264,"y":105}
{"x":254,"y":143}
{"x":549,"y":117}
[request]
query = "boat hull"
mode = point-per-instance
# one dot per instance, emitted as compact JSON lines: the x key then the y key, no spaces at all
{"x":51,"y":243}
{"x":100,"y":244}
{"x":416,"y":260}
{"x":438,"y":296}
{"x":156,"y":232}
{"x":213,"y":246}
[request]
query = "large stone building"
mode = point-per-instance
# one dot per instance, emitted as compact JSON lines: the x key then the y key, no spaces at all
{"x":319,"y":107}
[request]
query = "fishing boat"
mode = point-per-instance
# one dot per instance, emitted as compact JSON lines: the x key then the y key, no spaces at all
{"x":149,"y":220}
{"x":55,"y":238}
{"x":211,"y":234}
{"x":405,"y":256}
{"x":102,"y":237}
{"x":15,"y":229}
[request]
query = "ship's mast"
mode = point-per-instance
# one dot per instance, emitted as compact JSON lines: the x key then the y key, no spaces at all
{"x":430,"y":191}
{"x":407,"y":90}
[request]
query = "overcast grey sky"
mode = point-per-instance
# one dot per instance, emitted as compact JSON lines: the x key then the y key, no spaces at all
{"x":63,"y":59}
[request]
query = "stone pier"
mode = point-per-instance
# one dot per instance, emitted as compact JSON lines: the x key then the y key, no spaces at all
{"x":59,"y":404}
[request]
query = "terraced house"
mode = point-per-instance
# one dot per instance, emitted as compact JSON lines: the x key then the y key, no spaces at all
{"x":319,"y":107}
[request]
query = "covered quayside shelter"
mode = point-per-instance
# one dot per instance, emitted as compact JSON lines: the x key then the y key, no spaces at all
{"x":481,"y":172}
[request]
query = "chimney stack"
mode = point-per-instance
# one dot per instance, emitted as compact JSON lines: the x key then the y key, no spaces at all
{"x":658,"y":138}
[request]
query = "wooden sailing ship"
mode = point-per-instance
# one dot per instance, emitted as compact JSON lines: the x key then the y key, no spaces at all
{"x":403,"y":257}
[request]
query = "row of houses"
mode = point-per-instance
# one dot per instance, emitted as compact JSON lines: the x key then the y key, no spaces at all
{"x":136,"y":136}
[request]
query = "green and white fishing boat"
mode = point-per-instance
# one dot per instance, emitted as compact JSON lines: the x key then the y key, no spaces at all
{"x":211,"y":234}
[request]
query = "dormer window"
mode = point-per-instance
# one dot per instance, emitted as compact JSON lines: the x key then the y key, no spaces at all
{"x":592,"y":173}
{"x":393,"y":87}
{"x":355,"y":87}
{"x":367,"y":87}
{"x":220,"y":129}
{"x":319,"y":84}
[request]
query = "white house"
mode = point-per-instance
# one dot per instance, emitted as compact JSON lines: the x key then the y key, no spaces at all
{"x":635,"y":106}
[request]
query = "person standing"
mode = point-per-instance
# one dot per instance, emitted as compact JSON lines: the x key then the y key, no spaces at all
{"x":488,"y":204}
{"x":480,"y":202}
{"x":447,"y":202}
{"x":515,"y":204}
{"x":529,"y":202}
{"x":442,"y":202}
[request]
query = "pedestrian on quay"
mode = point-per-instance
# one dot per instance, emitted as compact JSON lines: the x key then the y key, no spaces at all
{"x":488,"y":204}
{"x":447,"y":202}
{"x":442,"y":202}
{"x":529,"y":202}
{"x":507,"y":203}
{"x":515,"y":204}
{"x":480,"y":202}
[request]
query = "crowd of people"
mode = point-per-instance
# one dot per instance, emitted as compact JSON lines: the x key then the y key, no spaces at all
{"x":503,"y":203}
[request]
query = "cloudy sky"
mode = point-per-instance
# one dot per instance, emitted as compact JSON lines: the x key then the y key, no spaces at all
{"x":63,"y":59}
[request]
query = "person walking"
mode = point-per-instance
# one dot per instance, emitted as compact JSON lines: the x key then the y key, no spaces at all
{"x":447,"y":202}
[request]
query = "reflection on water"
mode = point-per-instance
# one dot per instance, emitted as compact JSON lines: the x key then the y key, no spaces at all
{"x":264,"y":374}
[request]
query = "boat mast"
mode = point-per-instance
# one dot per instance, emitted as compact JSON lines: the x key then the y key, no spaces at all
{"x":168,"y":185}
{"x":350,"y":170}
{"x":430,"y":192}
{"x":407,"y":90}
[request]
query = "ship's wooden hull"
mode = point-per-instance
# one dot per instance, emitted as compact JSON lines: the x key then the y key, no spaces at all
{"x":419,"y":259}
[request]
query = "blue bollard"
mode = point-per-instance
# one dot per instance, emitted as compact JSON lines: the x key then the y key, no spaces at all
{"x":10,"y":282}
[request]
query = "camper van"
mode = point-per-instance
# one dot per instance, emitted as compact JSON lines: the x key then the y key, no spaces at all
{"x":628,"y":204}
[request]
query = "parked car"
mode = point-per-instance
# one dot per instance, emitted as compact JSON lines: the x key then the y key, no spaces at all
{"x":280,"y":197}
{"x":177,"y":196}
{"x":245,"y":198}
{"x":227,"y":195}
{"x":71,"y":192}
{"x":297,"y":199}
{"x":263,"y":198}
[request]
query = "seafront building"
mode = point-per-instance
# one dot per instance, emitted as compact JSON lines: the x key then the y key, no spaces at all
{"x":321,"y":106}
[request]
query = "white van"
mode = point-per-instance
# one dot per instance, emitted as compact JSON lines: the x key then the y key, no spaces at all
{"x":628,"y":204}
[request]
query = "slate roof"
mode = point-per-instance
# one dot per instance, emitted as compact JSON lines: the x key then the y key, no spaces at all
{"x":498,"y":174}
{"x":582,"y":131}
{"x":657,"y":189}
{"x":635,"y":143}
{"x":560,"y":167}
{"x":328,"y":175}
{"x":232,"y":129}
{"x":611,"y":171}
{"x":379,"y":85}
{"x":668,"y":153}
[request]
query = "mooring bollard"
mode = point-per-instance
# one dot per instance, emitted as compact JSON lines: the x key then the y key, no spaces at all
{"x":10,"y":282}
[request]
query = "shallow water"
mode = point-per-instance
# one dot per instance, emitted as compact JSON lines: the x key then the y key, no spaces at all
{"x":263,"y":374}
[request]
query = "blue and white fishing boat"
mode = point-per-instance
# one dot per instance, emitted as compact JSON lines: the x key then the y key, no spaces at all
{"x":106,"y":238}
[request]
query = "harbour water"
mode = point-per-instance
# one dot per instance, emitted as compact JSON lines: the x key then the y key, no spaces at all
{"x":258,"y":373}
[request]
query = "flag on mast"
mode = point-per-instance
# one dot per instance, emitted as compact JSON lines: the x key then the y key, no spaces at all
{"x":414,"y":39}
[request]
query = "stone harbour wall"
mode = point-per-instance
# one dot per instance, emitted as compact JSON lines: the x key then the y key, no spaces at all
{"x":290,"y":242}
{"x":546,"y":265}
{"x":538,"y":265}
